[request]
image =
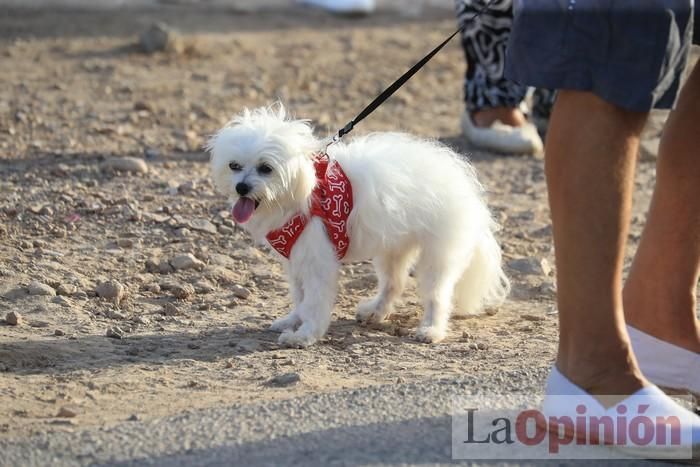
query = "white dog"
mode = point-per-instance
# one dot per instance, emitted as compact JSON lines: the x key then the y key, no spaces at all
{"x":411,"y":201}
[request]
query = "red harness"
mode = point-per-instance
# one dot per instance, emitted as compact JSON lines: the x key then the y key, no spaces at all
{"x":331,"y":200}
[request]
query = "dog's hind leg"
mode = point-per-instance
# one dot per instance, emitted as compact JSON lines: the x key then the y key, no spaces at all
{"x":438,"y":270}
{"x":392,"y":272}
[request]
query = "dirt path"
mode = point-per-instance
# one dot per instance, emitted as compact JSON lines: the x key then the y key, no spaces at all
{"x":75,"y":92}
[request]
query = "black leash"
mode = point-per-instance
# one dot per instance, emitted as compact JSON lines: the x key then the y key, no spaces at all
{"x":387,"y":93}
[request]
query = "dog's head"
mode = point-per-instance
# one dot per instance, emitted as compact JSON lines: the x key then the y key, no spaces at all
{"x":262,"y":160}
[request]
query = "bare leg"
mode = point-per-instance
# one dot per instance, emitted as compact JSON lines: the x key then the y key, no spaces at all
{"x":590,"y":159}
{"x":511,"y":116}
{"x":660,"y":294}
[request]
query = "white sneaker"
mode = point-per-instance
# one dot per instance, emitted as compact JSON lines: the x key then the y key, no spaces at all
{"x":346,"y":7}
{"x":665,"y":364}
{"x":503,"y":138}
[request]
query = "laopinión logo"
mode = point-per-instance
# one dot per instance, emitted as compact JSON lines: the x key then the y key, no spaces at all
{"x":567,"y":427}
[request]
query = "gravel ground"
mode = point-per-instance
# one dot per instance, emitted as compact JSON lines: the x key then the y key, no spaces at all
{"x":127,"y":291}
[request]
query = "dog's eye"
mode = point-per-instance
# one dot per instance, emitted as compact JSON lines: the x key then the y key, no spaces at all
{"x":264,"y":169}
{"x":235,"y":166}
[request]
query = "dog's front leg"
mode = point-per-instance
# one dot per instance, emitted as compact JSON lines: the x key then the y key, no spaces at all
{"x":296,"y":293}
{"x":314,"y":265}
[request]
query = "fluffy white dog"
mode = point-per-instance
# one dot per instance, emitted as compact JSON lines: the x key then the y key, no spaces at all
{"x":413,"y":202}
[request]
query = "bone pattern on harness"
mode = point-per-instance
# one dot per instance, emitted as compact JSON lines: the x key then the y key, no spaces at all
{"x":331,"y":200}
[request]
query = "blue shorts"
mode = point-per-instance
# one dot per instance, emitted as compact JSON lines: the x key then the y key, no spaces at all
{"x":631,"y":53}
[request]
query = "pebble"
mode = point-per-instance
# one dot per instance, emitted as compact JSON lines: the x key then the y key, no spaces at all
{"x":66,"y":412}
{"x":115,"y":332}
{"x":225,"y":230}
{"x":125,"y":242}
{"x":182,"y":232}
{"x":531,"y":266}
{"x":169,"y":309}
{"x":126,"y":164}
{"x":13,"y":318}
{"x":159,"y":37}
{"x":59,"y":332}
{"x":284,"y":380}
{"x":204,"y":286}
{"x":164,"y":267}
{"x":38,"y":288}
{"x":247,"y":345}
{"x":63,"y":301}
{"x":186,"y":261}
{"x":66,"y":289}
{"x":547,"y":288}
{"x":203,"y":225}
{"x":154,"y":288}
{"x":240,"y":292}
{"x":111,"y":290}
{"x":182,"y":291}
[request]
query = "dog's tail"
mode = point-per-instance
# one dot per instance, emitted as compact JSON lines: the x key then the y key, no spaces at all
{"x":483,"y":282}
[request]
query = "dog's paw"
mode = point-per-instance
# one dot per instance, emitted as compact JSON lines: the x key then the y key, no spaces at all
{"x":299,"y":339}
{"x":430,"y":334}
{"x":285,"y":323}
{"x":368,"y":312}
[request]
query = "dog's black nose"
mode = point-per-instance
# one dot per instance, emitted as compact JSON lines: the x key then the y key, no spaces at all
{"x":242,"y":188}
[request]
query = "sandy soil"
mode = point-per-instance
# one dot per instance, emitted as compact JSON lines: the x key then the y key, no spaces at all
{"x":76,"y":92}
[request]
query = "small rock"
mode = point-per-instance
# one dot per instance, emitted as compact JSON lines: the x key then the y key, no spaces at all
{"x":159,"y":37}
{"x":186,"y":261}
{"x":125,"y":242}
{"x":182,"y":291}
{"x":126,"y":164}
{"x":182,"y":232}
{"x":114,"y":314}
{"x":115,"y":332}
{"x":284,"y":380}
{"x":38,"y":324}
{"x":548,"y":288}
{"x":63,"y":301}
{"x":142,"y":105}
{"x":532,"y":317}
{"x":203,"y":225}
{"x":111,"y":290}
{"x":164,"y":267}
{"x":134,"y":418}
{"x":66,"y":289}
{"x":187,"y":187}
{"x":66,"y":412}
{"x":481,"y":346}
{"x":169,"y":309}
{"x":204,"y":286}
{"x":59,"y":332}
{"x":153,"y":288}
{"x":240,"y":292}
{"x":13,"y":318}
{"x":531,"y":266}
{"x":38,"y":288}
{"x":247,"y":345}
{"x":225,"y":230}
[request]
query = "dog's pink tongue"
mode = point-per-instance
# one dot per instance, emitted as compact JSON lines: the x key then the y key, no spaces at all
{"x":243,"y":210}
